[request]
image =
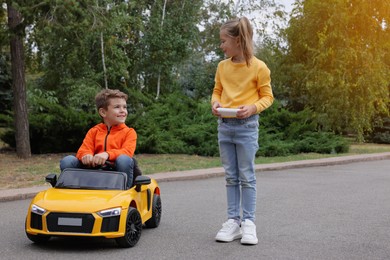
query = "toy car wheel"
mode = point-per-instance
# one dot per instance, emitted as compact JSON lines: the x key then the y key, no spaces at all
{"x":133,"y":229}
{"x":154,"y":221}
{"x":38,"y":239}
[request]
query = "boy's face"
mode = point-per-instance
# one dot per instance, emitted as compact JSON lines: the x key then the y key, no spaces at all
{"x":116,"y":112}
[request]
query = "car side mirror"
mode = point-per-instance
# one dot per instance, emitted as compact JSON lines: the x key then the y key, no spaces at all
{"x":52,"y":179}
{"x":141,"y":180}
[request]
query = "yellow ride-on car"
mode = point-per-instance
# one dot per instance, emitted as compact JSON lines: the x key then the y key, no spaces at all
{"x":94,"y":203}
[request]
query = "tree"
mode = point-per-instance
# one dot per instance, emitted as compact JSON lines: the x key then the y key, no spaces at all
{"x":337,"y":61}
{"x":5,"y":70}
{"x":22,"y":136}
{"x":169,"y":36}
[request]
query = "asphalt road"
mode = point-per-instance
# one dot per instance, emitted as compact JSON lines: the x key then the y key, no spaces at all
{"x":328,"y":212}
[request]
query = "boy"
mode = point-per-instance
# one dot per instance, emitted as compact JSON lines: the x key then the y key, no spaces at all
{"x":110,"y":140}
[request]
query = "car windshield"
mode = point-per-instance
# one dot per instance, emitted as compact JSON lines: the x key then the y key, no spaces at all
{"x":91,"y":179}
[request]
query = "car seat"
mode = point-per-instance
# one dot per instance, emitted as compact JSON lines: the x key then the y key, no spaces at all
{"x":109,"y":166}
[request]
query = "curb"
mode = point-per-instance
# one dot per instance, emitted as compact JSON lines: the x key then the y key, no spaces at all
{"x":26,"y":193}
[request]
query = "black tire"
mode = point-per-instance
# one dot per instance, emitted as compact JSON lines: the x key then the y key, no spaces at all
{"x":38,"y":239}
{"x":154,"y":221}
{"x":133,"y":229}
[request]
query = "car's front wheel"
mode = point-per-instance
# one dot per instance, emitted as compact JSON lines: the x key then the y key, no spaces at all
{"x":133,"y":229}
{"x":154,"y":221}
{"x":38,"y":239}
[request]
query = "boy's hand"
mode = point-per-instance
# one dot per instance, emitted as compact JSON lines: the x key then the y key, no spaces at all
{"x":87,"y":160}
{"x":96,"y":160}
{"x":100,"y":159}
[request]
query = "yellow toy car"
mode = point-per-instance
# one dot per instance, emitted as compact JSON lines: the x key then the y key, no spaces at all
{"x":94,"y":203}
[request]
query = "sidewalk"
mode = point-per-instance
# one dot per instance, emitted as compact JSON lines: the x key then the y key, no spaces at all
{"x":26,"y":193}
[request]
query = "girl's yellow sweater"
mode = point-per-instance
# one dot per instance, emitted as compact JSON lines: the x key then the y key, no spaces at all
{"x":236,"y":84}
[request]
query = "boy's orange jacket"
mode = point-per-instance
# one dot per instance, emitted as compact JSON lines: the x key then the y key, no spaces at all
{"x":120,"y":139}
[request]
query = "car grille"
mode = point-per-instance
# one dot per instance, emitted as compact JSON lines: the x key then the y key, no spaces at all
{"x":36,"y":221}
{"x":70,"y":222}
{"x":110,"y":224}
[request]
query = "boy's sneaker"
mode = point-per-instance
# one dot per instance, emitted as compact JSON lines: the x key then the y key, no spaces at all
{"x":249,"y":236}
{"x":230,"y":231}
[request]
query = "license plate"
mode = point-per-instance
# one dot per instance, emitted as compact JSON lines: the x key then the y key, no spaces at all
{"x":76,"y":222}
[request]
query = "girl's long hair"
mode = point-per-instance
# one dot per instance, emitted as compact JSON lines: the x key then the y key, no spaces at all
{"x":241,"y":28}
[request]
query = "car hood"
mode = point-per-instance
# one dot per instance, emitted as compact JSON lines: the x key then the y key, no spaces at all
{"x":75,"y":200}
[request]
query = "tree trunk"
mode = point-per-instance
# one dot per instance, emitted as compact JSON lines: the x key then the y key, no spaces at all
{"x":22,"y":135}
{"x":158,"y":85}
{"x":159,"y":71}
{"x":103,"y":61}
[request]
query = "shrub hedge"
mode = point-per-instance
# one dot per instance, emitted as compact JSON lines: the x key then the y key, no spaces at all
{"x":178,"y":124}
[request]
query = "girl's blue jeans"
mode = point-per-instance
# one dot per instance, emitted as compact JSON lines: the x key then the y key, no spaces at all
{"x":123,"y":163}
{"x":238,"y":144}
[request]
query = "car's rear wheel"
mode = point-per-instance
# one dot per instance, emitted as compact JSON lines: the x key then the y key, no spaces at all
{"x":154,"y":221}
{"x":133,"y":229}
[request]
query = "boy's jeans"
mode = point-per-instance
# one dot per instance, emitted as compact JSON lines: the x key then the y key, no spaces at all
{"x":123,"y":163}
{"x":238,"y":144}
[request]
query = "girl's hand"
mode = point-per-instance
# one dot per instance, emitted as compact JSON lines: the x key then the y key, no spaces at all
{"x":214,"y":108}
{"x":246,"y":111}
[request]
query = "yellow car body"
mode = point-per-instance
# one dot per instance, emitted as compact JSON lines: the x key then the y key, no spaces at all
{"x":94,"y":211}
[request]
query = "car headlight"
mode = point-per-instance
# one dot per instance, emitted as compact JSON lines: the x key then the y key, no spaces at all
{"x":110,"y":212}
{"x":37,"y":210}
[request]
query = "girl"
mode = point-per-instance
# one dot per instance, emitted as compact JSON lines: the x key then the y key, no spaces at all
{"x":243,"y":82}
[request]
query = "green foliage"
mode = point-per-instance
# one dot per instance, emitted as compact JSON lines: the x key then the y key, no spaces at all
{"x":169,"y":35}
{"x":322,"y":142}
{"x":337,"y":66}
{"x":381,"y":131}
{"x":5,"y":84}
{"x":337,"y":62}
{"x":275,"y":148}
{"x":197,"y":77}
{"x":55,"y":129}
{"x":82,"y":97}
{"x":59,"y":129}
{"x":283,"y":132}
{"x":176,"y":124}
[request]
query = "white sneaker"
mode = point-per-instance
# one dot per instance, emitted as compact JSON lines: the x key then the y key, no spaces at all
{"x":249,"y":236}
{"x":230,"y":231}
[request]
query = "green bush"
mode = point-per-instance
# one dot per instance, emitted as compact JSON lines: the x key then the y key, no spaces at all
{"x":177,"y":124}
{"x":283,"y":133}
{"x":59,"y":130}
{"x":381,"y":131}
{"x":55,"y":129}
{"x":275,"y":148}
{"x":322,"y":142}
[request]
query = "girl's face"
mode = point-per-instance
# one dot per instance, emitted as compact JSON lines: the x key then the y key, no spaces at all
{"x":116,"y":112}
{"x":229,"y":44}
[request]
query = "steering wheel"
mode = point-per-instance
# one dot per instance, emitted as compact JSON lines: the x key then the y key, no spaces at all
{"x":107,"y":166}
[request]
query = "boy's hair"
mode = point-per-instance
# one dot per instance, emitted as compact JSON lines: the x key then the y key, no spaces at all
{"x":241,"y":28}
{"x":103,"y":97}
